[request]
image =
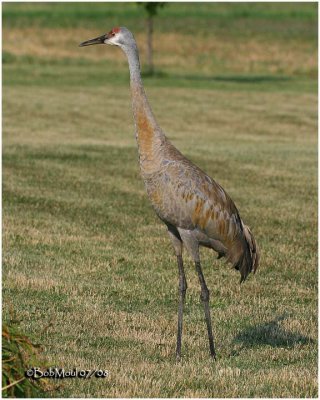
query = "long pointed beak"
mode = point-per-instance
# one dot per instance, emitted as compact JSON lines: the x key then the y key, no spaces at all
{"x":97,"y":40}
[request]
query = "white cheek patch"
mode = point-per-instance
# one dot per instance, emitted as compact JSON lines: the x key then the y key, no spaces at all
{"x":111,"y":41}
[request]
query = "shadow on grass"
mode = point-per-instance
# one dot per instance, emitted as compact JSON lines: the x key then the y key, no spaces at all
{"x":272,"y":334}
{"x":217,"y":78}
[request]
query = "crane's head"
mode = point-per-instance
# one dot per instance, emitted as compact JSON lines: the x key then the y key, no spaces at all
{"x":119,"y":36}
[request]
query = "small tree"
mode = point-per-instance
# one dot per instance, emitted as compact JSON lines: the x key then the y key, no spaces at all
{"x":151,"y":10}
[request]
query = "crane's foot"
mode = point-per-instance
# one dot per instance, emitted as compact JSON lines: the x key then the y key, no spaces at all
{"x":178,"y":350}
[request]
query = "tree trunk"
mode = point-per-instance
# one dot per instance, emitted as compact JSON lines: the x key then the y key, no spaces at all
{"x":149,"y":45}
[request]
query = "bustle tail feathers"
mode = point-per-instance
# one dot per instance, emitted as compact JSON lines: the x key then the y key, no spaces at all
{"x":245,"y":254}
{"x":254,"y":249}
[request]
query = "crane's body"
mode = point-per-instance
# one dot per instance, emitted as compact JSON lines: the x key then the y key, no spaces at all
{"x":195,"y":208}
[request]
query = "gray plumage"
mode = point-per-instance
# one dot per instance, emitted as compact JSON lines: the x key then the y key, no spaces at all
{"x":196,"y":210}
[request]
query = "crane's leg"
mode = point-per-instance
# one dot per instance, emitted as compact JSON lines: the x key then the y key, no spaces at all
{"x":177,"y":244}
{"x":205,"y":294}
{"x":182,"y":295}
{"x":192,"y":245}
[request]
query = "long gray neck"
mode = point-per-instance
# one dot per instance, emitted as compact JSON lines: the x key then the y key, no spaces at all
{"x":145,"y":122}
{"x":134,"y":65}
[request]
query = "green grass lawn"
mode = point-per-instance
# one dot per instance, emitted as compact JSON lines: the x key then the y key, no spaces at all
{"x":88,"y":269}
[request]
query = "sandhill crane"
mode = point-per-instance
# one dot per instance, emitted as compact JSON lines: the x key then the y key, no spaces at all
{"x":196,"y":210}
